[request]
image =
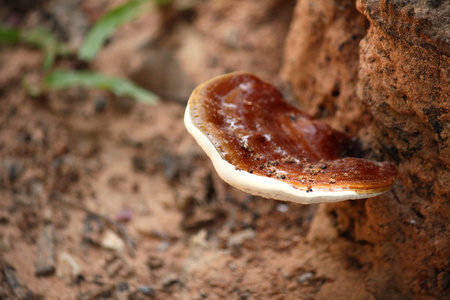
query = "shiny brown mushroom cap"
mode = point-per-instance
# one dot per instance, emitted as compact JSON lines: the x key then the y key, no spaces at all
{"x":262,"y":145}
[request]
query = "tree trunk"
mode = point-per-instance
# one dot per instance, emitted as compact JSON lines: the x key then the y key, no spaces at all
{"x":381,"y":70}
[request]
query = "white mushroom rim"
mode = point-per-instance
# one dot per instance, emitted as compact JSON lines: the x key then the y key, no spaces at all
{"x":264,"y":186}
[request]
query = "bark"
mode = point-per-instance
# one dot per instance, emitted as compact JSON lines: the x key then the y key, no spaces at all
{"x":396,"y":78}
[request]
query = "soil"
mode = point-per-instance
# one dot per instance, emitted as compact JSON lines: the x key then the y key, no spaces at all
{"x":102,"y":197}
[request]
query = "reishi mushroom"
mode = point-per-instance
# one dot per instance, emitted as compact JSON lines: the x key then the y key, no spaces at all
{"x":266,"y":147}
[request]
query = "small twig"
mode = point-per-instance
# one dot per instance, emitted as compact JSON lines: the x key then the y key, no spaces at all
{"x":119,"y":228}
{"x":97,"y":292}
{"x":45,"y":258}
{"x":11,"y":280}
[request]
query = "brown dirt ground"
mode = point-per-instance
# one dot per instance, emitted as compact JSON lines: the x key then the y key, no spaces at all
{"x":90,"y":169}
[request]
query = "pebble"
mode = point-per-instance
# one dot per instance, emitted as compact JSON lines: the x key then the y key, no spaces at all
{"x":169,"y":280}
{"x":112,"y":241}
{"x":157,"y":228}
{"x":282,"y":208}
{"x":122,"y":291}
{"x":305,"y":277}
{"x":100,"y":105}
{"x":64,"y":259}
{"x":146,"y":290}
{"x":163,"y":246}
{"x":45,"y":256}
{"x":123,"y":286}
{"x":238,"y":238}
{"x":14,"y":170}
{"x":154,"y":262}
{"x":124,"y":215}
{"x":114,"y":266}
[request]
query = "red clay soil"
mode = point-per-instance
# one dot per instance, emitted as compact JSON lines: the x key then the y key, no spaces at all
{"x":102,"y":197}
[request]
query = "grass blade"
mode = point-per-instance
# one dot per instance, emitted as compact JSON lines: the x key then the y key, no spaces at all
{"x":8,"y":36}
{"x":44,"y":40}
{"x":37,"y":37}
{"x":60,"y":79}
{"x":106,"y":26}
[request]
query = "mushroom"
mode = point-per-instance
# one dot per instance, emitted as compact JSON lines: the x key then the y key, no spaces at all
{"x":266,"y":147}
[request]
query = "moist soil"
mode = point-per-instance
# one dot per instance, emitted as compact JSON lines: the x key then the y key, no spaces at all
{"x":103,"y":197}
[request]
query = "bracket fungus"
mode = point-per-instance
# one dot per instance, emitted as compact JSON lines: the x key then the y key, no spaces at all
{"x":264,"y":146}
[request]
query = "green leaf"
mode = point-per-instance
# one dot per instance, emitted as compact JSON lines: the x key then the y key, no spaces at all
{"x":44,"y":40}
{"x":106,"y":26}
{"x":39,"y":38}
{"x":8,"y":36}
{"x":60,"y":79}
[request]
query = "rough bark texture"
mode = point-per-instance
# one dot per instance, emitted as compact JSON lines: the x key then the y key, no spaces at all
{"x":321,"y":60}
{"x":397,"y":78}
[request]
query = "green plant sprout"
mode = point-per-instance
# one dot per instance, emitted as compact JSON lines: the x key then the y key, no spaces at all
{"x":106,"y":26}
{"x":61,"y":79}
{"x":52,"y":48}
{"x":39,"y":38}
